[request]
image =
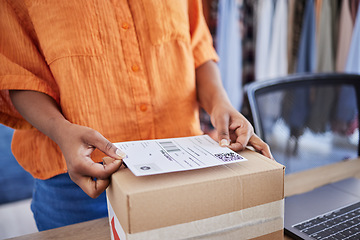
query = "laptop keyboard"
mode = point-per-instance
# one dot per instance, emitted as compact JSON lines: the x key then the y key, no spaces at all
{"x":343,"y":223}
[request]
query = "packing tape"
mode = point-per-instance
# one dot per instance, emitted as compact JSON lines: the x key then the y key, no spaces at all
{"x":244,"y":224}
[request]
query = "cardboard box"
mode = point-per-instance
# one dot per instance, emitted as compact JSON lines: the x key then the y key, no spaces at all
{"x":234,"y":201}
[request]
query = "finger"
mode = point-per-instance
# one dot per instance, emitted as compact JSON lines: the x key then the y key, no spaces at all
{"x":96,"y":170}
{"x":236,"y":146}
{"x":99,"y":141}
{"x":222,"y":127}
{"x":242,"y":137}
{"x":260,"y":146}
{"x":109,"y":160}
{"x":91,"y":187}
{"x":101,"y":185}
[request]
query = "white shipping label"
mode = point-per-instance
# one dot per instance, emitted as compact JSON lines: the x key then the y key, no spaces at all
{"x":175,"y":154}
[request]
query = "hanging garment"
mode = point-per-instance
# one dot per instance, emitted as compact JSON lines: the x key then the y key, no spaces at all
{"x":346,"y":110}
{"x":354,"y":6}
{"x":307,"y":48}
{"x":325,"y":57}
{"x":290,"y":27}
{"x":211,"y":11}
{"x":248,"y":19}
{"x":295,"y":22}
{"x":353,"y":61}
{"x":344,"y":38}
{"x":263,"y":36}
{"x":296,"y":104}
{"x":323,"y":99}
{"x":335,"y":16}
{"x":318,"y":7}
{"x":277,"y":63}
{"x":229,"y":50}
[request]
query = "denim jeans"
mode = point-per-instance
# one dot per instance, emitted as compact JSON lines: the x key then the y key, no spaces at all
{"x":58,"y":202}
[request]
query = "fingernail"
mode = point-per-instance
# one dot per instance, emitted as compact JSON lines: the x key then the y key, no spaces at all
{"x":224,"y":143}
{"x":118,"y":161}
{"x":120,"y":153}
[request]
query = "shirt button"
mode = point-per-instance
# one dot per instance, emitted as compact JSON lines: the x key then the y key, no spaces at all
{"x":143,"y":107}
{"x":125,"y":26}
{"x":135,"y":68}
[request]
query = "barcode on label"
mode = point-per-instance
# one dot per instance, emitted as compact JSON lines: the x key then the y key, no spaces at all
{"x":228,"y":157}
{"x":169,"y":146}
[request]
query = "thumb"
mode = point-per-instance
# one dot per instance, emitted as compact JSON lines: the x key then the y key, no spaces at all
{"x":104,"y":145}
{"x":222,"y":126}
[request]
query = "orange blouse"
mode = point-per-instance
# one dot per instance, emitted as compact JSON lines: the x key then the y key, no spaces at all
{"x":123,"y":68}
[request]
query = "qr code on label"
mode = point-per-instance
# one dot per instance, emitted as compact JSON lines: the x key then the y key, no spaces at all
{"x":228,"y":157}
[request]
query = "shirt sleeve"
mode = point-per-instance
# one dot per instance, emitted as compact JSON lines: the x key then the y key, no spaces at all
{"x":22,"y":66}
{"x":201,"y":40}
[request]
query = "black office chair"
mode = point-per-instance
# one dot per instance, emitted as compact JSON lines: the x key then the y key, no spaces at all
{"x":308,"y":120}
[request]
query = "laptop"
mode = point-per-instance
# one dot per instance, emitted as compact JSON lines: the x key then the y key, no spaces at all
{"x":328,"y":212}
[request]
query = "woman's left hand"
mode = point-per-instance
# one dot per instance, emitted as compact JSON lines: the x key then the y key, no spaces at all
{"x":235,"y":131}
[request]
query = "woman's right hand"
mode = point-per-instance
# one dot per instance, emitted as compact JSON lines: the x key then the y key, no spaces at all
{"x":76,"y":142}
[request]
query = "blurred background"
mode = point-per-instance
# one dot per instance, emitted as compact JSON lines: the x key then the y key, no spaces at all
{"x":261,"y":40}
{"x":256,"y":40}
{"x":15,"y":192}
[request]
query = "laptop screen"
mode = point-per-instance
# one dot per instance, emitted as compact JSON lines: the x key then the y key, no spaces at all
{"x":309,"y":127}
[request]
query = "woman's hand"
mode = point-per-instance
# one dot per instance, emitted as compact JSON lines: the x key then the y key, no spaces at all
{"x":77,"y":143}
{"x":235,"y":131}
